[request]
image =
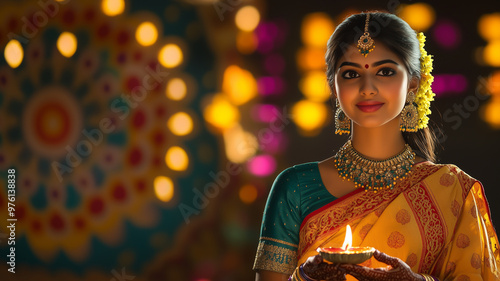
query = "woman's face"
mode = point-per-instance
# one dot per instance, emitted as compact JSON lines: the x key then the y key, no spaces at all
{"x":372,"y":90}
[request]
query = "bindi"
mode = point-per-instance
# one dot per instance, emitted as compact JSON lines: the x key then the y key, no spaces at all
{"x":366,"y":66}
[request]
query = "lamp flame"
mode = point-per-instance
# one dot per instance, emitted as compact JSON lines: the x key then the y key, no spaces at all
{"x":348,"y":238}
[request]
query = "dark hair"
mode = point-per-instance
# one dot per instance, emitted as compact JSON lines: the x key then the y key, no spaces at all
{"x":401,"y":39}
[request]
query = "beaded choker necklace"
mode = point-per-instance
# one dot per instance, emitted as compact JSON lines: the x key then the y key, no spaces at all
{"x":373,"y":174}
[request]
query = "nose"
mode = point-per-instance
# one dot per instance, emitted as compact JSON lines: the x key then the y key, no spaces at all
{"x":368,"y":87}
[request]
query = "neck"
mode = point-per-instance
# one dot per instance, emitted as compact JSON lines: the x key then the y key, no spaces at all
{"x":378,"y":143}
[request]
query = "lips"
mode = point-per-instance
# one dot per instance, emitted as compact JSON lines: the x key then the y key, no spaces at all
{"x":369,"y":106}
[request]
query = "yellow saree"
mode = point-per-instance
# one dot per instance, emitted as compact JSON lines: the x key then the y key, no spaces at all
{"x":437,"y":221}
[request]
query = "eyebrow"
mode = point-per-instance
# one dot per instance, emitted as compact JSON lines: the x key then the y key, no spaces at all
{"x":374,"y":64}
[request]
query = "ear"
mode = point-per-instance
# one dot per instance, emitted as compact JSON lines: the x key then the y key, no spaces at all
{"x":413,"y":84}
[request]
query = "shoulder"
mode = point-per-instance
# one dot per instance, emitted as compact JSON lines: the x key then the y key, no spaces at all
{"x":293,"y":173}
{"x":451,"y":175}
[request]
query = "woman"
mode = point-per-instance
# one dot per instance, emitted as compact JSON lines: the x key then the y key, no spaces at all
{"x":427,"y":221}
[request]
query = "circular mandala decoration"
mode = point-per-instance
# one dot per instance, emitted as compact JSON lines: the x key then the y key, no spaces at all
{"x":87,"y":134}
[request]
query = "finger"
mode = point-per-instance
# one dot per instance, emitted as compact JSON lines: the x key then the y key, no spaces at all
{"x":382,"y":257}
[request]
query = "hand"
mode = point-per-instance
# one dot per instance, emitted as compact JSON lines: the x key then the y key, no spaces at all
{"x":315,"y":268}
{"x":397,"y":270}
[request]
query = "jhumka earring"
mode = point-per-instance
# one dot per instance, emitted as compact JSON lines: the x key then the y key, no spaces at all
{"x":342,"y":122}
{"x":365,"y":42}
{"x":409,"y":115}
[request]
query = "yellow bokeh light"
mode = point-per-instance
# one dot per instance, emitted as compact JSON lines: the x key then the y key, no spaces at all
{"x":220,"y":113}
{"x":113,"y":7}
{"x":491,"y":113}
{"x":248,"y":193}
{"x":491,"y":53}
{"x":317,"y":29}
{"x":420,"y":16}
{"x":314,"y":86}
{"x":177,"y":159}
{"x":240,"y":145}
{"x":246,"y":42}
{"x":309,"y":115}
{"x":67,"y":44}
{"x":310,"y":58}
{"x":494,"y":84}
{"x":247,"y":18}
{"x":164,"y":188}
{"x":180,"y":124}
{"x":239,"y":85}
{"x":146,"y":33}
{"x":170,"y":55}
{"x":14,"y":53}
{"x":489,"y":26}
{"x":176,"y":89}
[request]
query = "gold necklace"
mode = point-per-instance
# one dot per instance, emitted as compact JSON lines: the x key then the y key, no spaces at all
{"x":373,"y":174}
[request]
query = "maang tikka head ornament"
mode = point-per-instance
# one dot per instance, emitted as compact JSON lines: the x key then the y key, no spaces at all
{"x":365,"y":42}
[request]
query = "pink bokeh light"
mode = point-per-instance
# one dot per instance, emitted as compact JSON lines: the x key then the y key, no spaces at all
{"x":447,"y":34}
{"x":262,"y":165}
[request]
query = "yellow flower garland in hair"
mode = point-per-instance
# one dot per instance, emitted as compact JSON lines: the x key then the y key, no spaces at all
{"x":424,"y":94}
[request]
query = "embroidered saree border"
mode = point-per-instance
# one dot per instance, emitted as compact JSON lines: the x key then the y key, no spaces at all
{"x":320,"y":224}
{"x":275,"y":258}
{"x":430,"y":222}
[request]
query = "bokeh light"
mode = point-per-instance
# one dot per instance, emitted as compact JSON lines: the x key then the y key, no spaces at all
{"x":317,"y":29}
{"x":445,"y":84}
{"x":240,"y":145}
{"x":113,"y":7}
{"x":176,"y":158}
{"x":420,"y":16}
{"x":239,"y":85}
{"x":170,"y":55}
{"x":146,"y":33}
{"x":14,"y":53}
{"x":447,"y":34}
{"x":494,"y":84}
{"x":310,"y":58}
{"x":269,"y":85}
{"x":176,"y":89}
{"x":491,"y":114}
{"x":489,"y":26}
{"x":220,"y":113}
{"x":248,"y":193}
{"x":314,"y":86}
{"x":246,"y":42}
{"x":247,"y":18}
{"x":491,"y":53}
{"x":262,"y":165}
{"x":67,"y":44}
{"x":164,"y":188}
{"x":309,"y":115}
{"x":180,"y":124}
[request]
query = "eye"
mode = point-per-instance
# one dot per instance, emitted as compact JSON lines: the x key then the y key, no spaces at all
{"x":386,"y":71}
{"x":350,"y":74}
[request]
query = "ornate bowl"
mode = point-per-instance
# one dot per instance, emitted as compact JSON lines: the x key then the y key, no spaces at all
{"x":353,"y":255}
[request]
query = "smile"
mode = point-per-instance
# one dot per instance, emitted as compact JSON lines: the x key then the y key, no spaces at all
{"x":369,"y":106}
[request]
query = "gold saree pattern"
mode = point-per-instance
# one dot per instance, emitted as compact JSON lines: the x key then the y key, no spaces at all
{"x":437,"y":220}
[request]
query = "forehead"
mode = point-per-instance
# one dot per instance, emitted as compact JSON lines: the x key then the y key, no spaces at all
{"x":380,"y":52}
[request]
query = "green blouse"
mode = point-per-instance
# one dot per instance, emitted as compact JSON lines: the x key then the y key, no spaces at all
{"x":296,"y":192}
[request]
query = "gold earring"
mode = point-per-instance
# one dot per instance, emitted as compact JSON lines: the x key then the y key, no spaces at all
{"x":409,"y":115}
{"x":342,"y":122}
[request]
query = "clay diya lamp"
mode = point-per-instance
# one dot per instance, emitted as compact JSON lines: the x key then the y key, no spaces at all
{"x":346,"y":254}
